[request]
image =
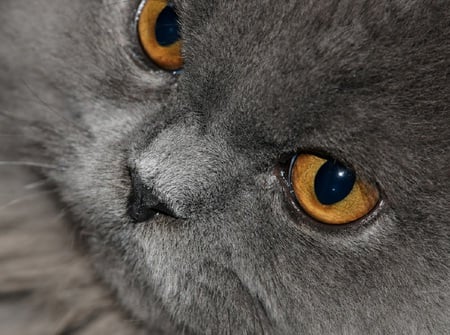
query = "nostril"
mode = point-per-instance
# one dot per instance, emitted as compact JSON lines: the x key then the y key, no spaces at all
{"x":142,"y":202}
{"x":139,"y":212}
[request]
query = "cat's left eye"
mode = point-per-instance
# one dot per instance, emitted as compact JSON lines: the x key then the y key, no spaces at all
{"x":329,"y":191}
{"x":158,"y":31}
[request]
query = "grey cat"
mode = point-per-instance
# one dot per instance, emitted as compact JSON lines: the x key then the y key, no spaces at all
{"x":179,"y":183}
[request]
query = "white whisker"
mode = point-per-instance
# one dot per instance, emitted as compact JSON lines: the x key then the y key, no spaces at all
{"x":51,"y":109}
{"x":24,"y":198}
{"x":36,"y":184}
{"x":33,"y":164}
{"x":60,"y":215}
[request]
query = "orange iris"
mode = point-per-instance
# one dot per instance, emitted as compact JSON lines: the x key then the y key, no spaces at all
{"x":167,"y":57}
{"x":359,"y":202}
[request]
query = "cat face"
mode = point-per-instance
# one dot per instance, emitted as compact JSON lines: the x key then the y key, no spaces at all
{"x":225,"y":246}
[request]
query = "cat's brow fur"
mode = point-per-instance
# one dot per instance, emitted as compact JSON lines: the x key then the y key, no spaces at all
{"x":365,"y":81}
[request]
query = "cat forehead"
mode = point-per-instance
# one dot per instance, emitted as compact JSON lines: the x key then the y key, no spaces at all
{"x":295,"y":68}
{"x":281,"y":72}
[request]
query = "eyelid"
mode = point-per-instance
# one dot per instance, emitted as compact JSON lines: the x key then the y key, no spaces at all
{"x":291,"y":165}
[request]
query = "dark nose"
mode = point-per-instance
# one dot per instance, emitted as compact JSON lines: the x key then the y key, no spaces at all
{"x":143,"y":204}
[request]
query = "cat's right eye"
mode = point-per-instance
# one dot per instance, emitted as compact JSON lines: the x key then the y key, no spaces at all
{"x":158,"y":31}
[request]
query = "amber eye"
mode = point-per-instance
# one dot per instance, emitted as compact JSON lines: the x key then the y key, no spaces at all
{"x":329,"y":191}
{"x":158,"y":31}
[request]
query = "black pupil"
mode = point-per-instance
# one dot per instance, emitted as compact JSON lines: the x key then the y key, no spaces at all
{"x":333,"y":182}
{"x":167,"y":29}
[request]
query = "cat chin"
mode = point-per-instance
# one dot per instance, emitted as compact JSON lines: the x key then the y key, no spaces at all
{"x":136,"y":297}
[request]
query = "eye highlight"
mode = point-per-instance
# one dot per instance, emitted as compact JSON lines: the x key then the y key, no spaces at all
{"x":158,"y":31}
{"x":329,"y":191}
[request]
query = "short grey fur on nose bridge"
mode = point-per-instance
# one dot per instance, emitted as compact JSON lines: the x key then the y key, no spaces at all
{"x":187,"y":168}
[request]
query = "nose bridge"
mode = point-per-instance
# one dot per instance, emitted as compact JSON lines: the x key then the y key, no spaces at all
{"x":187,"y":169}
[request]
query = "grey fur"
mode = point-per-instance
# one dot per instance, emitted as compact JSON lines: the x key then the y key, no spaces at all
{"x":365,"y":81}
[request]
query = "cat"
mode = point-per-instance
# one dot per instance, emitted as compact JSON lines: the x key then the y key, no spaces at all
{"x":182,"y":184}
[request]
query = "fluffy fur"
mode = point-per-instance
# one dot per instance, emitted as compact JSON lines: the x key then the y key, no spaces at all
{"x":364,"y":81}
